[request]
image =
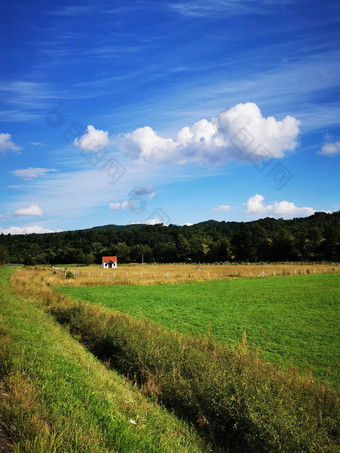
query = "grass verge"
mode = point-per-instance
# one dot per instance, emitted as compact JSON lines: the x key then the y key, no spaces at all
{"x":58,"y":398}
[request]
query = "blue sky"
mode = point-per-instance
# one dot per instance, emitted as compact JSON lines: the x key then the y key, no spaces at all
{"x":179,"y":112}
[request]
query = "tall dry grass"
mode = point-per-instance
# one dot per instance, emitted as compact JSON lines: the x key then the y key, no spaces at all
{"x":148,"y":274}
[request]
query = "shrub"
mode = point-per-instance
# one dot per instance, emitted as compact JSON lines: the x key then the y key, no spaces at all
{"x":69,"y":274}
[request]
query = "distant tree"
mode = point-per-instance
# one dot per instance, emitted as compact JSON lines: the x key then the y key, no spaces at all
{"x":140,"y":252}
{"x":89,"y":259}
{"x":251,"y":243}
{"x":197,"y":252}
{"x":165,"y":252}
{"x":122,"y":251}
{"x":220,"y":251}
{"x":283,"y":246}
{"x":3,"y":254}
{"x":183,"y":248}
{"x":314,"y":238}
{"x":29,"y":261}
{"x":330,"y":246}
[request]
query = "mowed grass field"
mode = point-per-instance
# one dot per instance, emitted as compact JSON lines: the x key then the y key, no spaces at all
{"x":292,"y":319}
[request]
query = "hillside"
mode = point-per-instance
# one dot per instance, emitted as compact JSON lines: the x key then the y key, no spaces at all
{"x":312,"y":238}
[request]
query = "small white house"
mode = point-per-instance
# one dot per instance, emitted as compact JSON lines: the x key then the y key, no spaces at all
{"x":109,"y":262}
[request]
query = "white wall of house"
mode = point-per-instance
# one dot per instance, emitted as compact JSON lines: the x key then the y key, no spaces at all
{"x":109,"y":265}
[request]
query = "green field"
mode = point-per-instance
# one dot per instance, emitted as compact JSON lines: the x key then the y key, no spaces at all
{"x":292,"y":319}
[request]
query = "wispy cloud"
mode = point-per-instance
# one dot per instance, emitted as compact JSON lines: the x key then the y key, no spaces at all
{"x":31,"y":172}
{"x":204,"y":8}
{"x":27,"y":94}
{"x":72,"y":11}
{"x":25,"y":100}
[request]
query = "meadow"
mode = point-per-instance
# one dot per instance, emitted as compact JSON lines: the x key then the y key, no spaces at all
{"x":293,"y":320}
{"x":235,"y":398}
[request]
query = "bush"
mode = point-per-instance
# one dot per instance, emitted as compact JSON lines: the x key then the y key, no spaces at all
{"x":69,"y":274}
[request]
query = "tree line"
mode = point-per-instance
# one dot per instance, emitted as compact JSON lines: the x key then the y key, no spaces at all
{"x":315,"y":238}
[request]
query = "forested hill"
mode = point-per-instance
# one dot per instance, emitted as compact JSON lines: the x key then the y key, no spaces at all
{"x":313,"y":238}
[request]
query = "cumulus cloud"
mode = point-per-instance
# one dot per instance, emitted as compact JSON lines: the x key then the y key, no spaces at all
{"x":239,"y":133}
{"x":93,"y":140}
{"x":114,"y":206}
{"x":27,"y":230}
{"x":223,"y":207}
{"x":255,"y":205}
{"x":330,"y":149}
{"x":6,"y":144}
{"x":154,"y":221}
{"x":33,"y":210}
{"x":124,"y":205}
{"x":31,"y":172}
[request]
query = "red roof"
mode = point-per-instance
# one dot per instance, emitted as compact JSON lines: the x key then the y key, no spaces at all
{"x":107,"y":259}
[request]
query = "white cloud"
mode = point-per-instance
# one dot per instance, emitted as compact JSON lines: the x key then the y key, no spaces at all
{"x":255,"y":205}
{"x":114,"y":206}
{"x":33,"y":210}
{"x":223,"y":207}
{"x":187,"y":224}
{"x":93,"y":140}
{"x":330,"y":149}
{"x":234,"y":134}
{"x":154,"y":221}
{"x":31,"y":172}
{"x":37,"y":144}
{"x":27,"y":230}
{"x":6,"y":144}
{"x":124,"y":205}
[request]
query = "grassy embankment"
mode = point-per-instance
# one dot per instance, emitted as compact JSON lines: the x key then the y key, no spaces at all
{"x":292,"y":319}
{"x":233,"y":395}
{"x":56,"y":397}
